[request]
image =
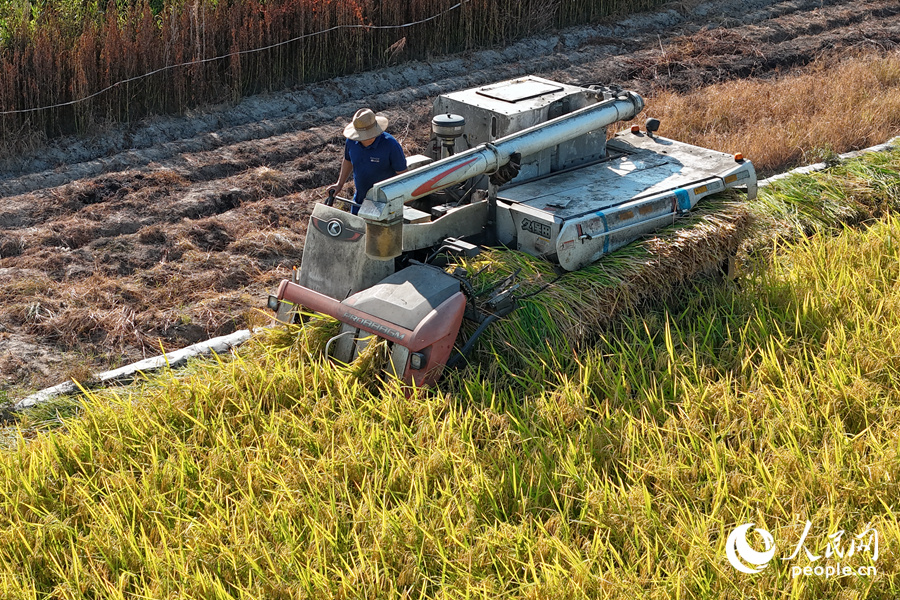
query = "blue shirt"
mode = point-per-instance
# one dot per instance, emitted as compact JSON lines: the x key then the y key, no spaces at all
{"x":381,"y":160}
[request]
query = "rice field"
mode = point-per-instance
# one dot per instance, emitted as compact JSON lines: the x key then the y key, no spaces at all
{"x":612,"y":467}
{"x":849,"y":102}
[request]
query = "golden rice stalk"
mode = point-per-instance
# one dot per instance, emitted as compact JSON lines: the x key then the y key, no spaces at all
{"x":372,"y":361}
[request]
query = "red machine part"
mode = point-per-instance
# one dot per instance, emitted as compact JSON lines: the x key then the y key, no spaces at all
{"x":433,"y":337}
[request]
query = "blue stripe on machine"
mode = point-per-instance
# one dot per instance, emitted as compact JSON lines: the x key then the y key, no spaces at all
{"x":605,"y":229}
{"x":684,"y":199}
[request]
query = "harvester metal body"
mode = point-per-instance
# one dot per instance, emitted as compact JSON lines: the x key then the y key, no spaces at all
{"x":523,"y":164}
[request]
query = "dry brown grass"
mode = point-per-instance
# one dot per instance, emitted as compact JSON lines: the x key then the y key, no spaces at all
{"x":837,"y":105}
{"x":63,"y":53}
{"x":271,"y":181}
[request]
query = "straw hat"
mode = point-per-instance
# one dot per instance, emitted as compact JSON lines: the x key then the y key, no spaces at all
{"x":365,"y":125}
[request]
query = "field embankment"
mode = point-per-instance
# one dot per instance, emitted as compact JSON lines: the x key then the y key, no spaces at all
{"x":616,"y":471}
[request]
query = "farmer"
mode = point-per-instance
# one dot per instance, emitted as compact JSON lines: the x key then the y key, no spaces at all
{"x":371,"y":154}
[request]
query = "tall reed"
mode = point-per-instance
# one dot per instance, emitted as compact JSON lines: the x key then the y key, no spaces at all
{"x":65,"y":51}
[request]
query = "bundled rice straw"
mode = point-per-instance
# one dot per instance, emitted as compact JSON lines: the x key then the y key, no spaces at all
{"x":572,"y":309}
{"x":847,"y":193}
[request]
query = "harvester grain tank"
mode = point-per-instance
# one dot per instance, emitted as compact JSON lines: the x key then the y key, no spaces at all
{"x":523,"y":164}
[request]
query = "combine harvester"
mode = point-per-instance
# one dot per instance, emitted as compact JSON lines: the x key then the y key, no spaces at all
{"x":523,"y":164}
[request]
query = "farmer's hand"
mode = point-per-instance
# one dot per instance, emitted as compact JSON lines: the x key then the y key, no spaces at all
{"x":334,"y":190}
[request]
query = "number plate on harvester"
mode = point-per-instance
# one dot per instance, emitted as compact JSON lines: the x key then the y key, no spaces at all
{"x":536,"y":227}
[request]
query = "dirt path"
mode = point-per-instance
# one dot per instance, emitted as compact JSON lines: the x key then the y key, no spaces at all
{"x":173,"y":230}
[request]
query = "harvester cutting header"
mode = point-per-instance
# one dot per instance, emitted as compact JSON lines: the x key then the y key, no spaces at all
{"x":523,"y":164}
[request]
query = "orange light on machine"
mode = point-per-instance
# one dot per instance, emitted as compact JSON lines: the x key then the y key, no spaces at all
{"x":731,"y":178}
{"x":738,"y":157}
{"x":635,"y":129}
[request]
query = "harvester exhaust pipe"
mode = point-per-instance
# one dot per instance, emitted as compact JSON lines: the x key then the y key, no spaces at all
{"x":383,"y":207}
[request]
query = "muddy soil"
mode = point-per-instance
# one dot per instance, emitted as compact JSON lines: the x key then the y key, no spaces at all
{"x":132,"y":240}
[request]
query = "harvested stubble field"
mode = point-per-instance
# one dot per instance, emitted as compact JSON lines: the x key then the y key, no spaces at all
{"x":116,"y":246}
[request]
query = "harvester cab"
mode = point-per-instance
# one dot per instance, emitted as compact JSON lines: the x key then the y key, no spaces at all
{"x":524,"y":164}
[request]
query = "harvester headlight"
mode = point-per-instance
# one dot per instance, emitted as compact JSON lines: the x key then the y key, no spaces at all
{"x":417,"y":361}
{"x":273,"y":303}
